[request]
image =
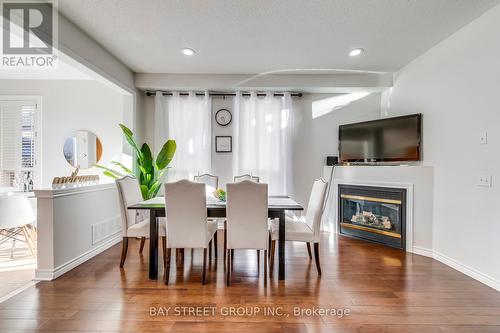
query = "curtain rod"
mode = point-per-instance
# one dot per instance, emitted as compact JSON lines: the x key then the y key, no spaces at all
{"x":169,"y":93}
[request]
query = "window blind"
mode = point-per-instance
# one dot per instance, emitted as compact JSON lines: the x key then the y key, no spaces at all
{"x":17,"y":140}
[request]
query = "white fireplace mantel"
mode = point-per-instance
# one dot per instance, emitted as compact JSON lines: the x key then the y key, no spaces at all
{"x":416,"y":180}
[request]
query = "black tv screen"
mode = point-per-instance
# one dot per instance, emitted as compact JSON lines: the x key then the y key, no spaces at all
{"x":383,"y":140}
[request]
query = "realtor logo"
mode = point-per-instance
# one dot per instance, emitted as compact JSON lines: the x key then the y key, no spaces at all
{"x":28,"y":34}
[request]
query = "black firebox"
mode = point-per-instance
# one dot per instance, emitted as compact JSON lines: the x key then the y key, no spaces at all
{"x":376,"y":214}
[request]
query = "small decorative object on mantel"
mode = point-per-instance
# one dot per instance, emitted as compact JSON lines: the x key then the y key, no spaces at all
{"x":223,"y":117}
{"x":223,"y":144}
{"x":75,"y":180}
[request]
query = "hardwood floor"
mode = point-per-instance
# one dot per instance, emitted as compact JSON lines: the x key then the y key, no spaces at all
{"x":384,"y":289}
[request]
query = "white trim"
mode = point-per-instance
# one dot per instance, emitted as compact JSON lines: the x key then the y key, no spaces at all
{"x":18,"y":291}
{"x":422,"y":251}
{"x":409,"y":204}
{"x":49,"y":274}
{"x":469,"y":271}
{"x":456,"y":265}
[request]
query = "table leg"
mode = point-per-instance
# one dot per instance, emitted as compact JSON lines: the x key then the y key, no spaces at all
{"x":281,"y":246}
{"x":153,"y":245}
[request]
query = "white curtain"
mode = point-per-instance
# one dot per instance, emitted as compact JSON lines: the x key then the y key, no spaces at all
{"x":262,"y":139}
{"x":187,"y":120}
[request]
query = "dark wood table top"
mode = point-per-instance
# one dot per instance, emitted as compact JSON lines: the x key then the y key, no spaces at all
{"x":274,"y":203}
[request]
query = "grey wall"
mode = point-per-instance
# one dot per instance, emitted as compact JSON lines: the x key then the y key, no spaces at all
{"x":456,"y":86}
{"x":314,"y":139}
{"x":222,"y":163}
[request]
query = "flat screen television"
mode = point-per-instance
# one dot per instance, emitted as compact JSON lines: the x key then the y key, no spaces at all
{"x":384,"y":140}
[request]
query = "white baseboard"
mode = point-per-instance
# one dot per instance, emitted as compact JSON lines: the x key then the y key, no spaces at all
{"x":51,"y":274}
{"x":422,"y":251}
{"x":469,"y":271}
{"x":473,"y":273}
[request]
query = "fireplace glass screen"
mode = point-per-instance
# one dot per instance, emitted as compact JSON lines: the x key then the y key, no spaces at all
{"x":374,"y":214}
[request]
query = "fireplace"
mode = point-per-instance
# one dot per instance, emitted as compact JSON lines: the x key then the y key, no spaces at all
{"x":376,"y":214}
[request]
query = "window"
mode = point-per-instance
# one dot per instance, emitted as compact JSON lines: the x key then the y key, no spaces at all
{"x":18,"y":142}
{"x":262,"y":136}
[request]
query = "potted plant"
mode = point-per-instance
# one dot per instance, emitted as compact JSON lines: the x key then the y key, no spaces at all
{"x":150,"y":170}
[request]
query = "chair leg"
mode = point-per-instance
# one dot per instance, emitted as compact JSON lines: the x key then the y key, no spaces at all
{"x":164,"y":250}
{"x":271,"y":259}
{"x":228,"y":268}
{"x":28,"y":240}
{"x":269,"y":245}
{"x":33,"y":232}
{"x":232,"y":259}
{"x":16,"y":231}
{"x":167,"y":265}
{"x":124,"y":251}
{"x":316,"y":257}
{"x":204,"y":276}
{"x":309,"y":250}
{"x":215,"y":245}
{"x":265,"y":267}
{"x":143,"y":240}
{"x":210,"y":251}
{"x":225,"y":240}
{"x":258,"y":260}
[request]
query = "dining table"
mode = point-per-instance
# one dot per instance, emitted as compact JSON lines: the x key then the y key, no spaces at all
{"x":277,"y":205}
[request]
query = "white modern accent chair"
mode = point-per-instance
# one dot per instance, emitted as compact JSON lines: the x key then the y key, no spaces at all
{"x":134,"y":225}
{"x":16,"y":216}
{"x":241,"y":178}
{"x":246,"y":221}
{"x":187,"y":224}
{"x":306,"y":228}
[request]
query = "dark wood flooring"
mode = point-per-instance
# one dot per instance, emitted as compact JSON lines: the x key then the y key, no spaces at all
{"x":384,"y":289}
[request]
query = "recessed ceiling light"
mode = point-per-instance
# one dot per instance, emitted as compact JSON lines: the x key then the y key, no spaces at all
{"x":356,"y":52}
{"x":187,"y":51}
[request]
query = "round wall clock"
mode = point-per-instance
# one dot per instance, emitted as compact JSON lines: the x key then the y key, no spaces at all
{"x":223,"y":117}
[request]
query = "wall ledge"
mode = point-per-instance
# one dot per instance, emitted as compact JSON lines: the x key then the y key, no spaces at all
{"x":48,"y":193}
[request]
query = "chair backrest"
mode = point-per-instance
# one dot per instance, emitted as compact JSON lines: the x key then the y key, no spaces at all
{"x":129,"y":193}
{"x":186,"y":206}
{"x":211,"y":181}
{"x":241,"y":178}
{"x":315,"y":206}
{"x":15,"y":211}
{"x":247,"y":215}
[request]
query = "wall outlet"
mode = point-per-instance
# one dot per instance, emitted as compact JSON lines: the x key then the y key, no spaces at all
{"x":483,"y":138}
{"x":484,"y":180}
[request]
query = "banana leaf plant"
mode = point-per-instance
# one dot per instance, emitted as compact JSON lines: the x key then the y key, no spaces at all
{"x":149,"y":171}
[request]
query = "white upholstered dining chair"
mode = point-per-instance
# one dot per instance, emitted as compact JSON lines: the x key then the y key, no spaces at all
{"x":241,"y":178}
{"x":306,"y":228}
{"x":247,"y":226}
{"x":212,"y":184}
{"x":16,"y":215}
{"x":134,"y":225}
{"x":187,"y":224}
{"x":211,"y":181}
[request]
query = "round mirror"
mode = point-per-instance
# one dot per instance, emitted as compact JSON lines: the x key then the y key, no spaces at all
{"x":82,"y":149}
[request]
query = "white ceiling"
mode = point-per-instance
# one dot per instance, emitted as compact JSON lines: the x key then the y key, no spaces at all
{"x":255,"y":36}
